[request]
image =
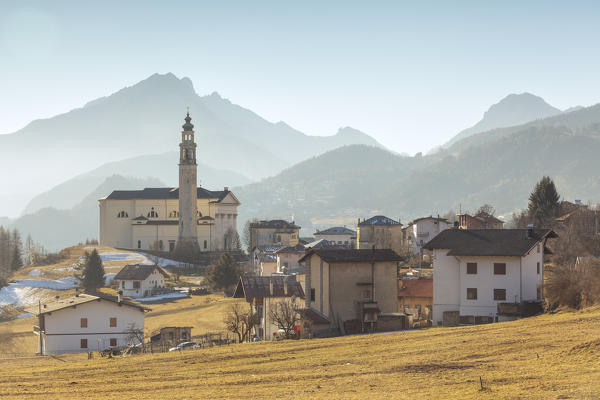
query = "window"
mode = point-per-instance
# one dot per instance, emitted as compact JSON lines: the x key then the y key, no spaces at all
{"x":538,"y":268}
{"x":83,"y":323}
{"x":113,"y":341}
{"x":499,"y":268}
{"x":198,"y":213}
{"x":174,"y":214}
{"x":312,"y":294}
{"x":499,"y":294}
{"x":152,"y":213}
{"x":122,"y":214}
{"x":472,"y":268}
{"x":205,"y":244}
{"x":366,"y":294}
{"x":139,"y":244}
{"x":160,"y":244}
{"x":83,"y":343}
{"x":113,"y":322}
{"x":471,"y":293}
{"x":136,"y":284}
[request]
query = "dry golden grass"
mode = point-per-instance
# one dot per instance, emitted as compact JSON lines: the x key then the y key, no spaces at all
{"x":550,"y":356}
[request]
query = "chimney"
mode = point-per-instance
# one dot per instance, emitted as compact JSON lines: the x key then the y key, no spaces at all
{"x":120,"y":296}
{"x":271,"y":286}
{"x":530,"y":231}
{"x":76,"y":292}
{"x":226,"y":188}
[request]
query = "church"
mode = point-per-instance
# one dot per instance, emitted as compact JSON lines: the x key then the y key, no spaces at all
{"x":186,"y":218}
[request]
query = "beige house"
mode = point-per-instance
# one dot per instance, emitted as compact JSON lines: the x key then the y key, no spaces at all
{"x":420,"y":231}
{"x":379,"y":232}
{"x":268,"y":264}
{"x":263,"y":293}
{"x":274,"y":232}
{"x":159,"y":218}
{"x":352,"y":288}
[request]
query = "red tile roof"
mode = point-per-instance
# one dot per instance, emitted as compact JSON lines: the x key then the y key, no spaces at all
{"x":415,"y":287}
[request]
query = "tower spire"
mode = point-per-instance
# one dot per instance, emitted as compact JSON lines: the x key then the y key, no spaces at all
{"x":188,"y":126}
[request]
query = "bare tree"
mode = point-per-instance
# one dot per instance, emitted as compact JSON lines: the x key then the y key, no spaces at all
{"x":232,"y":240}
{"x":286,"y":315}
{"x":240,"y":322}
{"x":134,"y":335}
{"x":486,"y":209}
{"x":247,"y":235}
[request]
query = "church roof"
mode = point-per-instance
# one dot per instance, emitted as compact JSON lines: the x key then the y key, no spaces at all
{"x":164,"y":193}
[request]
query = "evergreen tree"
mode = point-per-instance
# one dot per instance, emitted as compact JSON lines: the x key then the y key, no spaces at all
{"x":4,"y":251}
{"x":16,"y":261}
{"x":224,"y":274}
{"x":93,"y":273}
{"x":543,"y":202}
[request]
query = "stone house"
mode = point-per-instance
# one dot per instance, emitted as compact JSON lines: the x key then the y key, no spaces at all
{"x":379,"y":232}
{"x":352,"y":287}
{"x":170,"y":336}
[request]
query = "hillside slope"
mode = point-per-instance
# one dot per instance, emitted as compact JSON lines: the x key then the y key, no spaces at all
{"x":514,"y":109}
{"x":521,"y":359}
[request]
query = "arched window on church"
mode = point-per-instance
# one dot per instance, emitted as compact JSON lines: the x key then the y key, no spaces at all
{"x":174,"y":214}
{"x":122,"y":214}
{"x":152,"y":213}
{"x":198,"y":214}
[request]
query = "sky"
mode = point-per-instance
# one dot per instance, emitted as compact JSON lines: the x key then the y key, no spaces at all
{"x":410,"y":74}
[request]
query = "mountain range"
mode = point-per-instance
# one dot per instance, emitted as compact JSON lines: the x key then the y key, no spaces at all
{"x":278,"y":172}
{"x":141,"y":120}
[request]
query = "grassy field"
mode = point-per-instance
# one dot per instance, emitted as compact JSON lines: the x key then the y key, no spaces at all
{"x":545,"y":357}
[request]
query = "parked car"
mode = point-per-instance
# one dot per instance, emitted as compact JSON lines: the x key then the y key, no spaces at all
{"x":185,"y":346}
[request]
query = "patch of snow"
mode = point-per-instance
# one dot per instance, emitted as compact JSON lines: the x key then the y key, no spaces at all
{"x":69,"y":282}
{"x":162,"y":262}
{"x":35,"y":272}
{"x":18,"y":296}
{"x":122,"y":257}
{"x":176,"y":295}
{"x":90,"y":247}
{"x":63,"y":269}
{"x":108,"y":278}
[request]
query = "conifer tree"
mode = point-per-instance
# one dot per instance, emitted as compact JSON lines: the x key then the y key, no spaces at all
{"x":543,"y":202}
{"x":224,"y":274}
{"x":93,"y":273}
{"x":16,"y":260}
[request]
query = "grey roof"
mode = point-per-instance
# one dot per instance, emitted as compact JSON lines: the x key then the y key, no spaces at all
{"x":269,"y":248}
{"x":299,"y":248}
{"x":430,"y":217}
{"x":274,"y":223}
{"x":164,"y":193}
{"x":138,"y":272}
{"x":315,"y":316}
{"x":317,"y":244}
{"x":161,"y":222}
{"x":338,"y":255}
{"x":379,"y":220}
{"x":260,"y":286}
{"x":140,"y":218}
{"x":336,"y":230}
{"x":61,"y":303}
{"x":488,"y":242}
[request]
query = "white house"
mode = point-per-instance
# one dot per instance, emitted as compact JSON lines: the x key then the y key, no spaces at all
{"x":83,"y":323}
{"x":138,"y":280}
{"x":340,"y":235}
{"x":475,"y":269}
{"x":422,"y":230}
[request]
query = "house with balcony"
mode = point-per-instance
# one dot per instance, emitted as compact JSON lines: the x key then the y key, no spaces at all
{"x":138,"y":280}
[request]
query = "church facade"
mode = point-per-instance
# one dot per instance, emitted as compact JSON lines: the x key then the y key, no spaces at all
{"x":168,"y":219}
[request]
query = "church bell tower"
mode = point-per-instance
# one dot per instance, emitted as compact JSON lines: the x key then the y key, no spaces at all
{"x":187,"y":242}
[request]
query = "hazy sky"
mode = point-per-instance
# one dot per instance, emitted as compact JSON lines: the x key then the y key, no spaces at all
{"x":411,"y":74}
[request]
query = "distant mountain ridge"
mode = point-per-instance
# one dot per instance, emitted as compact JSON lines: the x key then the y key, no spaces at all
{"x":146,"y":118}
{"x":514,"y":109}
